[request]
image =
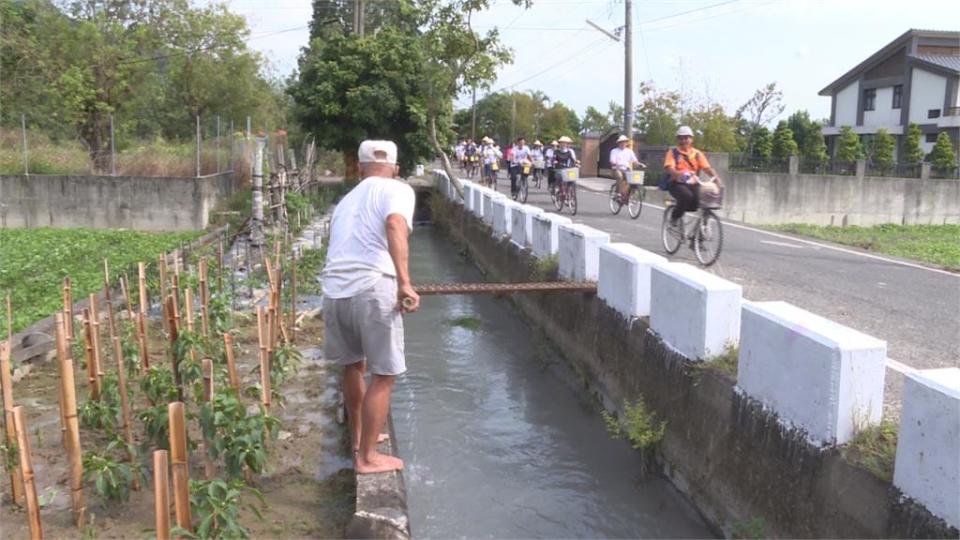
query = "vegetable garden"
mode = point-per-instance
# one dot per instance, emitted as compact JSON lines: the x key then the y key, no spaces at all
{"x":163,"y":411}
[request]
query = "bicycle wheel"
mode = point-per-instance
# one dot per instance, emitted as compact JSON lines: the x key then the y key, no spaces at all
{"x":615,"y":204}
{"x":557,"y":195}
{"x":635,"y":201}
{"x":708,"y":238}
{"x":572,"y":198}
{"x":523,"y":190}
{"x":671,"y":236}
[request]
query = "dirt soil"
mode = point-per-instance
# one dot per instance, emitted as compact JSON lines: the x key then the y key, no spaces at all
{"x":308,"y":487}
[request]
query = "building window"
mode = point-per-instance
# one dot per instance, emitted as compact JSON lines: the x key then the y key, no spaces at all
{"x":897,"y":96}
{"x":931,"y":137}
{"x":869,"y":99}
{"x":933,"y":113}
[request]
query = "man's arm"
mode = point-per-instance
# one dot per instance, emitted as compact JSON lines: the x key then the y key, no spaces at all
{"x":399,"y":247}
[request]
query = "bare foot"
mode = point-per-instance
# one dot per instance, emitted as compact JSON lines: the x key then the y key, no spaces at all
{"x":383,"y":437}
{"x":378,"y":463}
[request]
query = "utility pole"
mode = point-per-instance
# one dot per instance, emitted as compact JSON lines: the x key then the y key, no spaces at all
{"x":473,"y":123}
{"x":358,"y":17}
{"x":628,"y":70}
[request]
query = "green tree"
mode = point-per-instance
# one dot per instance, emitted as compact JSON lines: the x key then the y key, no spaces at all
{"x":352,"y":88}
{"x":657,"y":114}
{"x":560,"y":120}
{"x":912,"y":152}
{"x":784,"y":145}
{"x":765,"y":105}
{"x":883,"y":148}
{"x":849,"y":148}
{"x":802,"y":126}
{"x":594,"y":120}
{"x":761,"y":144}
{"x":815,"y":147}
{"x":716,"y":132}
{"x":942,"y":157}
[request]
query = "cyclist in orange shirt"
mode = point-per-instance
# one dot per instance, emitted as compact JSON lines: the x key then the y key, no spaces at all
{"x":683,"y":163}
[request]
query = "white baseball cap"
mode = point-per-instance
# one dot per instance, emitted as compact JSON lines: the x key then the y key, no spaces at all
{"x":622,"y":138}
{"x":378,"y":152}
{"x":684,"y":131}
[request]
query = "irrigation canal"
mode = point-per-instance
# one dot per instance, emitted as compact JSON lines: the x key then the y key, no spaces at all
{"x":497,"y":442}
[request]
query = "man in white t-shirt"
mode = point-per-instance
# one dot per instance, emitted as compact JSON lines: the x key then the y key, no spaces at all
{"x":622,"y":159}
{"x":366,"y":280}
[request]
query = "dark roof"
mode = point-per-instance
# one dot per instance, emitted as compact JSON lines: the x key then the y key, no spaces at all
{"x":951,"y":63}
{"x":891,"y":47}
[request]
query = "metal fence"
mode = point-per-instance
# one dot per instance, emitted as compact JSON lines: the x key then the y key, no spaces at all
{"x":751,"y":163}
{"x":37,"y":147}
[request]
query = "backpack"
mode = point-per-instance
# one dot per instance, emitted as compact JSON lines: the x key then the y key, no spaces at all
{"x":665,"y":180}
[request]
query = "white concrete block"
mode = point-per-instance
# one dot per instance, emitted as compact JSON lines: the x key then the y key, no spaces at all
{"x":545,"y":233}
{"x":624,"y":282}
{"x":477,"y":197}
{"x":502,"y":216}
{"x":928,"y":446}
{"x":694,"y":311}
{"x":579,"y":251}
{"x":488,"y":197}
{"x":521,"y":230}
{"x":817,"y":375}
{"x":454,"y":195}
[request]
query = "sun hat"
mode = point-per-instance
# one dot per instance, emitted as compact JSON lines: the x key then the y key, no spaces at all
{"x":566,"y":139}
{"x":537,"y":143}
{"x":684,"y":131}
{"x":372,"y":151}
{"x":622,"y":138}
{"x":554,"y":143}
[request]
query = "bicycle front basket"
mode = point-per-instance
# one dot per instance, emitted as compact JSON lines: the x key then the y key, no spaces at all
{"x":635,"y":178}
{"x":570,"y":175}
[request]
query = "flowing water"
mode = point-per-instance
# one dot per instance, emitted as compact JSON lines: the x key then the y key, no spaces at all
{"x":496,"y":443}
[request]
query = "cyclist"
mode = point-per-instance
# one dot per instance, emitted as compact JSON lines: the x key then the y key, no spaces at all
{"x":563,"y":158}
{"x":459,"y":150}
{"x":683,"y":164}
{"x":622,"y":159}
{"x":490,"y":154}
{"x":519,"y":155}
{"x":536,"y":154}
{"x":470,"y":150}
{"x":548,"y":161}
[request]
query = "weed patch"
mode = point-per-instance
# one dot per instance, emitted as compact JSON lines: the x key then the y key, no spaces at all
{"x":875,"y":449}
{"x":639,"y":425}
{"x":470,"y":323}
{"x":725,"y":362}
{"x":545,"y":269}
{"x":749,"y":528}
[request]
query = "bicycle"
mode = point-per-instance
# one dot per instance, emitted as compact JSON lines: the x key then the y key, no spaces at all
{"x":471,"y":165}
{"x":565,"y":190}
{"x":491,"y":179}
{"x":634,"y":197}
{"x":522,"y":189}
{"x":706,"y":236}
{"x":538,"y":172}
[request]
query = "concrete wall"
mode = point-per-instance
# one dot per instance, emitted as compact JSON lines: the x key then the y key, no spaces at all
{"x":735,"y":457}
{"x":772,"y":198}
{"x":111,"y":202}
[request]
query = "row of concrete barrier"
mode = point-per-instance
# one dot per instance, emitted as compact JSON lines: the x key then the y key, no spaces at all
{"x":818,"y":377}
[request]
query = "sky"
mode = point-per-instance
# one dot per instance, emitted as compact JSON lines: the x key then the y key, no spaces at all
{"x":716,"y":50}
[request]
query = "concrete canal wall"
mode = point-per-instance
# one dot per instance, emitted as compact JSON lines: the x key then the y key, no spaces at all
{"x":760,"y":444}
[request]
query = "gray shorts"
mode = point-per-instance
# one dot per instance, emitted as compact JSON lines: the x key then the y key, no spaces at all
{"x":366,"y":326}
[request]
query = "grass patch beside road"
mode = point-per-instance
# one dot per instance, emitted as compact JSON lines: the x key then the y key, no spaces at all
{"x":936,"y":244}
{"x":33,"y":263}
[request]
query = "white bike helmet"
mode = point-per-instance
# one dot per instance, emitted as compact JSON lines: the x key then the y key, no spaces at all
{"x":684,"y":131}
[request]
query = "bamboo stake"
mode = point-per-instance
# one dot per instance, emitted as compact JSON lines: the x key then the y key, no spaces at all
{"x":92,"y":377}
{"x":142,"y":341}
{"x":108,"y":298}
{"x":68,"y":307}
{"x":174,"y":325}
{"x":6,"y":385}
{"x":231,"y":364}
{"x":125,"y":408}
{"x":178,"y":462}
{"x":204,"y":299}
{"x":95,"y":322}
{"x":176,"y":294}
{"x":26,"y":473}
{"x":161,"y":493}
{"x":68,"y":394}
{"x":162,"y":267}
{"x":142,"y":279}
{"x":9,"y":322}
{"x":60,"y":340}
{"x":293,"y":296}
{"x":264,"y":360}
{"x":188,"y":308}
{"x":207,"y":363}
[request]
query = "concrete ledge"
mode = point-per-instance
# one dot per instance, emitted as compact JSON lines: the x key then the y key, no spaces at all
{"x":488,"y":196}
{"x":928,"y":449}
{"x":694,"y":311}
{"x":521,"y":230}
{"x":381,"y":501}
{"x":624,"y":278}
{"x":822,"y":377}
{"x":545,"y":233}
{"x":476,"y":205}
{"x":502,"y":216}
{"x":579,"y":250}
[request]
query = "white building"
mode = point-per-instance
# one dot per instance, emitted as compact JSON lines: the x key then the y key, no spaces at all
{"x":914,"y":79}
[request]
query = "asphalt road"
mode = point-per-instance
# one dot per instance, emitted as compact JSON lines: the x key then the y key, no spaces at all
{"x":915,"y":308}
